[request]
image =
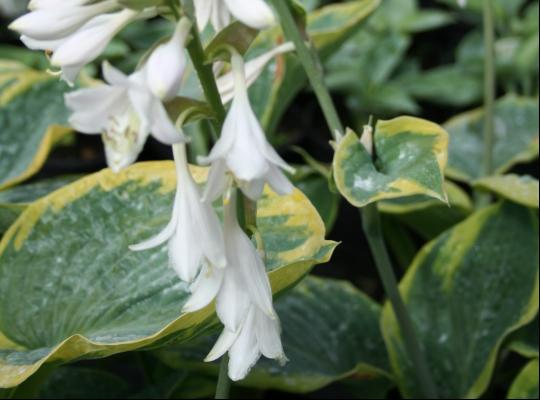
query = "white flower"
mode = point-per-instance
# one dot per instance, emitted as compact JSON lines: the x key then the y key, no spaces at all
{"x":75,"y":31}
{"x":243,"y":149}
{"x":243,"y":302}
{"x":253,"y":13}
{"x":85,"y":45}
{"x":165,"y":67}
{"x":243,"y":282}
{"x":125,"y":111}
{"x":462,"y":3}
{"x":194,"y":233}
{"x":258,"y":335}
{"x":58,"y":19}
{"x":253,"y":69}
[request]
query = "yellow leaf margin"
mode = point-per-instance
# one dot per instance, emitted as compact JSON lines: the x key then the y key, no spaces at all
{"x":315,"y":250}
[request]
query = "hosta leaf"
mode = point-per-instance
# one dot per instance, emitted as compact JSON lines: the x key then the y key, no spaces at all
{"x":411,"y":156}
{"x":344,"y":340}
{"x":516,"y":138}
{"x":14,"y":201}
{"x":466,"y":291}
{"x":315,"y":187}
{"x":427,"y":216}
{"x":526,"y":384}
{"x":525,"y":340}
{"x":86,"y":295}
{"x":283,"y":78}
{"x":32,"y":118}
{"x":519,"y":189}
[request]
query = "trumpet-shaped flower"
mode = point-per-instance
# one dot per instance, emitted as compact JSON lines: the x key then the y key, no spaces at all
{"x":194,"y":233}
{"x":75,"y":31}
{"x":125,"y":111}
{"x":55,"y":20}
{"x":242,"y":283}
{"x":243,"y":301}
{"x":253,"y":13}
{"x":258,"y":335}
{"x":243,"y":149}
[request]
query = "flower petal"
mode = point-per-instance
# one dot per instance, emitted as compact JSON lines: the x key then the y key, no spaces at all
{"x":255,"y":13}
{"x":244,"y":353}
{"x":223,"y":344}
{"x":204,"y":289}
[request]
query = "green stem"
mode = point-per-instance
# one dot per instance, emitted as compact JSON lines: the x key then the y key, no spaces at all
{"x":371,"y":220}
{"x":204,"y":72}
{"x":372,"y":227}
{"x":223,"y":388}
{"x":312,"y":66}
{"x":489,"y":97}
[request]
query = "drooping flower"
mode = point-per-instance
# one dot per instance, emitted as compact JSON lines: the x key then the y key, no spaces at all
{"x":243,"y":301}
{"x":125,"y":112}
{"x":194,"y":233}
{"x":253,"y":13}
{"x":75,"y":31}
{"x":258,"y":335}
{"x":243,"y":149}
{"x":253,"y":69}
{"x":242,"y":283}
{"x":51,"y":20}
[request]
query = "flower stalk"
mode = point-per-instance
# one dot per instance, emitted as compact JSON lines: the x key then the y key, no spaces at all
{"x":371,"y":217}
{"x":312,"y":66}
{"x":489,"y":96}
{"x":204,"y":71}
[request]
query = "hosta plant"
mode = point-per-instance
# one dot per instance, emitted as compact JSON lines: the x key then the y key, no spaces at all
{"x":188,"y":260}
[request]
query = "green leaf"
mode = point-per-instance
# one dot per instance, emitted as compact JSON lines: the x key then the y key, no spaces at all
{"x":516,"y":138}
{"x":236,"y":35}
{"x":466,"y":291}
{"x":429,"y":217}
{"x":87,"y":296}
{"x":519,"y":189}
{"x":526,"y":384}
{"x":344,"y":340}
{"x":315,"y":187}
{"x":33,"y":117}
{"x":525,"y":340}
{"x":14,"y":201}
{"x":328,"y":27}
{"x":411,"y":157}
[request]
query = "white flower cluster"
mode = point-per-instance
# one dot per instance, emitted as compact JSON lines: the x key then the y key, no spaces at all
{"x":218,"y":260}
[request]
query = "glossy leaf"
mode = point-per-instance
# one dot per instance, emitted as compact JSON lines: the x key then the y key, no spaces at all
{"x":411,"y":157}
{"x":516,"y":138}
{"x":344,"y":340}
{"x":526,"y":384}
{"x":519,"y":189}
{"x":32,"y":118}
{"x":427,"y":216}
{"x":14,"y":201}
{"x":315,"y":187}
{"x":86,"y":295}
{"x":466,"y":291}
